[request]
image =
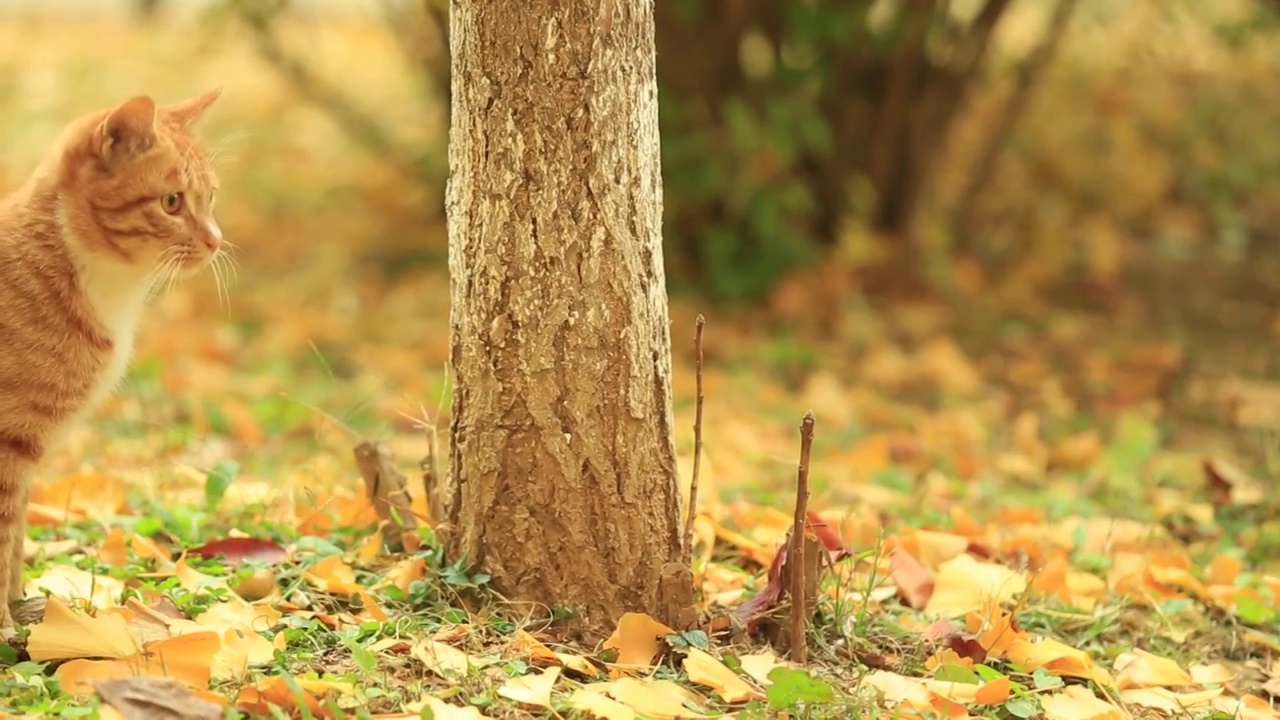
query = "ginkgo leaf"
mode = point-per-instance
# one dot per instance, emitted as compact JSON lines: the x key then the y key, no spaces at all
{"x":758,"y":665}
{"x":1215,"y":673}
{"x":655,"y":698}
{"x":964,"y":584}
{"x":1158,"y":698}
{"x":595,"y":704}
{"x":1057,"y":658}
{"x":67,"y":633}
{"x":332,"y":575}
{"x":441,"y":710}
{"x":638,"y":639}
{"x":531,"y":689}
{"x":1076,"y":703}
{"x":186,"y":658}
{"x":1142,"y":669}
{"x":76,"y":586}
{"x":705,"y":670}
{"x":444,"y":660}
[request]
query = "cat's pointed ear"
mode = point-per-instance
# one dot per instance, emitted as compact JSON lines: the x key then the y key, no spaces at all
{"x":127,"y":131}
{"x":187,"y":112}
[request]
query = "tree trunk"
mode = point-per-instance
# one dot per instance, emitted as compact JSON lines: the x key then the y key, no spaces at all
{"x":563,"y":468}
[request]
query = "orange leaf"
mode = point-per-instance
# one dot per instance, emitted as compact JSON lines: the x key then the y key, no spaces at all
{"x":914,"y":581}
{"x":637,"y":639}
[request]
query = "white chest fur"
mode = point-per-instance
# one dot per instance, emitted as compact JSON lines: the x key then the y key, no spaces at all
{"x":116,"y":293}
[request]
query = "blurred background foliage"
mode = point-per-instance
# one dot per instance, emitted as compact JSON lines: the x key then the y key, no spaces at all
{"x":1078,"y":143}
{"x":1067,"y":145}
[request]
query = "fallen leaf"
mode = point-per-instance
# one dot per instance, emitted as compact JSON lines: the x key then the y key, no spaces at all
{"x":707,"y":671}
{"x":532,"y":689}
{"x":1077,"y":703}
{"x":659,"y":699}
{"x":444,"y":660}
{"x":964,"y":584}
{"x":186,"y":658}
{"x":1158,"y":698}
{"x":1057,"y":658}
{"x":915,"y":582}
{"x":597,"y":705}
{"x":238,"y":549}
{"x":638,"y":640}
{"x":1140,"y":669}
{"x":332,"y":575}
{"x":67,"y":633}
{"x":75,"y":585}
{"x":137,"y":698}
{"x":759,"y":665}
{"x":441,"y":710}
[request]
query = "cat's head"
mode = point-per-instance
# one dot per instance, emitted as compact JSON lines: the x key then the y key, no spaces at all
{"x":137,"y":187}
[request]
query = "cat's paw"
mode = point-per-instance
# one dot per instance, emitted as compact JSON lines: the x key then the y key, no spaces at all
{"x":29,"y":611}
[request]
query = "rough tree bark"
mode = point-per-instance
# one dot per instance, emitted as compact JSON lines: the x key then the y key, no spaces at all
{"x":563,"y":467}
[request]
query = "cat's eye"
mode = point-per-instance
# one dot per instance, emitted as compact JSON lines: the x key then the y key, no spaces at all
{"x":171,"y":203}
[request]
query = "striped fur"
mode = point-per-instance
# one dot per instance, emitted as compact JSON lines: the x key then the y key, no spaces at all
{"x":83,"y":242}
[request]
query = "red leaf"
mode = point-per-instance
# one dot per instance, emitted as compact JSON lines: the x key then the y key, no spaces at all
{"x":915,"y":582}
{"x":238,"y":549}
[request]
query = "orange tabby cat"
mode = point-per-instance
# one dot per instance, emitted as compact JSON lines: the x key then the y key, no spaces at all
{"x":122,"y":201}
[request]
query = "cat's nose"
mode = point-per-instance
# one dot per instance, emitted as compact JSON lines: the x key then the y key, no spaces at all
{"x":213,"y":235}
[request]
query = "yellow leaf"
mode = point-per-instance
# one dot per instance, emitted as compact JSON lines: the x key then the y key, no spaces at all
{"x":1142,"y":669}
{"x":1077,"y":703}
{"x":67,"y":633}
{"x":77,"y":586}
{"x":705,"y":670}
{"x":186,"y":658}
{"x":441,"y":710}
{"x":660,"y":699}
{"x":193,"y":580}
{"x":597,"y":705}
{"x":965,"y":584}
{"x":531,"y":689}
{"x":1158,"y":698}
{"x":1057,"y":658}
{"x":444,"y":660}
{"x":637,"y":640}
{"x":1215,"y":673}
{"x":332,"y":575}
{"x":759,"y":665}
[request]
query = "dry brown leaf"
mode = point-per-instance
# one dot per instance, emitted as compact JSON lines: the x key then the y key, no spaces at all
{"x":143,"y":698}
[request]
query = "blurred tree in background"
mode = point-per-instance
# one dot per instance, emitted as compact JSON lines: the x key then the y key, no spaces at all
{"x":965,"y":140}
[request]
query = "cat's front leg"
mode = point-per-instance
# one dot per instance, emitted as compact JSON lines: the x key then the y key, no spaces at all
{"x":17,"y":458}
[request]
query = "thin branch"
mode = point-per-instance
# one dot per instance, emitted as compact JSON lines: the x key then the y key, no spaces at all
{"x":697,"y":444}
{"x":362,"y":126}
{"x":1014,"y":107}
{"x":795,"y":556}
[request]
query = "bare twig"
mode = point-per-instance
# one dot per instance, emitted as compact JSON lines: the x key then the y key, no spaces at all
{"x":431,"y":477}
{"x":697,"y":444}
{"x":795,"y":556}
{"x":389,"y":491}
{"x":1015,"y":105}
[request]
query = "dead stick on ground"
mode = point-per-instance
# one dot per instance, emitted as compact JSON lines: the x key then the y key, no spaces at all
{"x":795,"y":558}
{"x":697,"y":444}
{"x":388,"y":491}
